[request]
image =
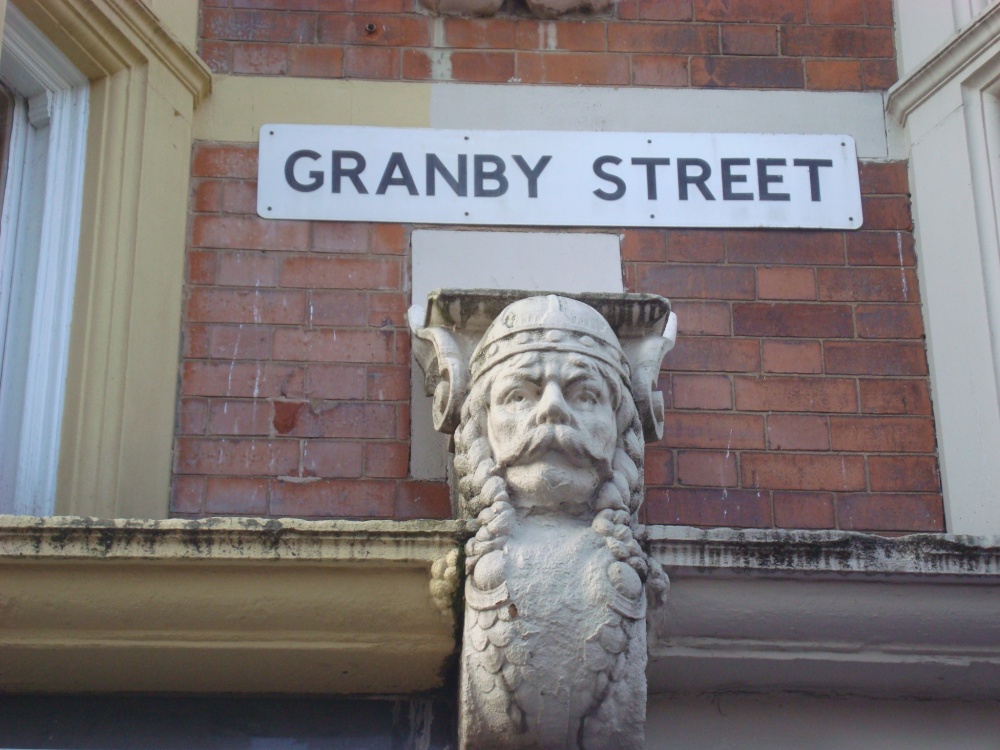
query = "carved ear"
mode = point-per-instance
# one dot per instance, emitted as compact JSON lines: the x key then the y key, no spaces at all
{"x":644,"y":356}
{"x":440,"y":354}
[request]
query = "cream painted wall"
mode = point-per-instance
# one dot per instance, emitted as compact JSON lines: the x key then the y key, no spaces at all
{"x":181,"y":17}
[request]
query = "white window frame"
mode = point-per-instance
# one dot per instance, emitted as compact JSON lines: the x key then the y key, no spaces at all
{"x":51,"y":116}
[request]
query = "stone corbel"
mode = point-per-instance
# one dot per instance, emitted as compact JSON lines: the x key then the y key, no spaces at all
{"x":447,"y":329}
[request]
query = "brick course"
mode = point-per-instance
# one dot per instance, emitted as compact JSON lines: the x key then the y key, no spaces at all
{"x":819,"y":45}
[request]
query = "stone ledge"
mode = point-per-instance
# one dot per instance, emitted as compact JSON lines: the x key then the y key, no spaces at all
{"x":235,"y":605}
{"x":827,"y":612}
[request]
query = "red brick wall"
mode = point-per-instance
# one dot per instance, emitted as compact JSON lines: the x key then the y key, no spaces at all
{"x":797,"y":396}
{"x":784,"y":44}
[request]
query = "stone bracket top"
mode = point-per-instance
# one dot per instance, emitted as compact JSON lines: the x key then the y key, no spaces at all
{"x":447,"y":330}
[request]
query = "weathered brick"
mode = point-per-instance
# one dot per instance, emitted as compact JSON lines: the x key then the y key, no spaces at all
{"x":883,"y":434}
{"x":681,"y":38}
{"x":889,"y":321}
{"x":798,"y":432}
{"x":313,"y":61}
{"x":587,"y":68}
{"x":883,"y":178}
{"x":339,"y":273}
{"x":710,"y":430}
{"x":698,"y":282}
{"x":749,"y":40}
{"x":207,"y":196}
{"x":335,"y":382}
{"x":786,"y":283}
{"x":805,"y":357}
{"x":387,"y":309}
{"x":805,"y":394}
{"x":187,"y":495}
{"x":833,"y":75}
{"x":714,"y":355}
{"x":701,"y":392}
{"x":423,"y":500}
{"x":708,"y":507}
{"x":387,"y":460}
{"x":260,"y":59}
{"x":659,"y":466}
{"x":240,"y":379}
{"x":878,"y":12}
{"x":879,"y":74}
{"x":483,"y":67}
{"x":387,"y":383}
{"x":391,"y":30}
{"x":573,"y":36}
{"x":799,"y":471}
{"x":747,"y":72}
{"x":340,"y":237}
{"x":695,"y":246}
{"x":228,"y":417}
{"x":886,"y":212}
{"x":836,"y":11}
{"x":334,"y":345}
{"x":192,"y":416}
{"x":843,"y":41}
{"x":890,"y":512}
{"x":751,"y":11}
{"x":224,"y":160}
{"x":249,"y":233}
{"x":201,"y":265}
{"x":702,"y":318}
{"x":648,"y":245}
{"x":218,"y":56}
{"x":332,"y":459}
{"x":236,"y":457}
{"x":240,"y":495}
{"x":770,"y":247}
{"x":390,"y":239}
{"x":239,"y":197}
{"x":880,"y":249}
{"x":246,"y":268}
{"x":804,"y":510}
{"x":337,"y":307}
{"x":659,"y":70}
{"x":707,"y":468}
{"x":371,"y":62}
{"x":336,"y":419}
{"x":867,"y":284}
{"x":246,"y":306}
{"x":480,"y":33}
{"x":895,"y":397}
{"x":656,"y":10}
{"x":231,"y":342}
{"x":194,"y":340}
{"x":874,"y":358}
{"x":793,"y":320}
{"x":333,"y":498}
{"x":904,"y":474}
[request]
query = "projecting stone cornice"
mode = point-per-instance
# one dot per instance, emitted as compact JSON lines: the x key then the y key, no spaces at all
{"x":944,"y":65}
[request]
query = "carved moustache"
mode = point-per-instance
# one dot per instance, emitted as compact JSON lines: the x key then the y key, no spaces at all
{"x":561,"y":438}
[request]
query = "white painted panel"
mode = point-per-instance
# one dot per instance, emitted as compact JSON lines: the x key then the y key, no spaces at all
{"x":558,"y":262}
{"x":858,"y":114}
{"x":558,"y":178}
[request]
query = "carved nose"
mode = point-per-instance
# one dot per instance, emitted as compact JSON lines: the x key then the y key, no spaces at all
{"x":552,"y":407}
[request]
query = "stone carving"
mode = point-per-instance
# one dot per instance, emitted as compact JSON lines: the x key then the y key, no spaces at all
{"x":548,"y":460}
{"x":540,"y":8}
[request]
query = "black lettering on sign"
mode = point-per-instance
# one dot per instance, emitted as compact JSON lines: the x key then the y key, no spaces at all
{"x":460,"y":186}
{"x":813,"y":165}
{"x":728,"y":178}
{"x":532,"y":173}
{"x":353,"y":174}
{"x":481,"y":175}
{"x":651,"y":164}
{"x":405,"y":179}
{"x":684,"y":179}
{"x":619,"y":183}
{"x":764,"y":179}
{"x":303,"y":187}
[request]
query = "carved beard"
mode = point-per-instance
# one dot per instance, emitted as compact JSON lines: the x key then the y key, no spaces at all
{"x":568,"y":441}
